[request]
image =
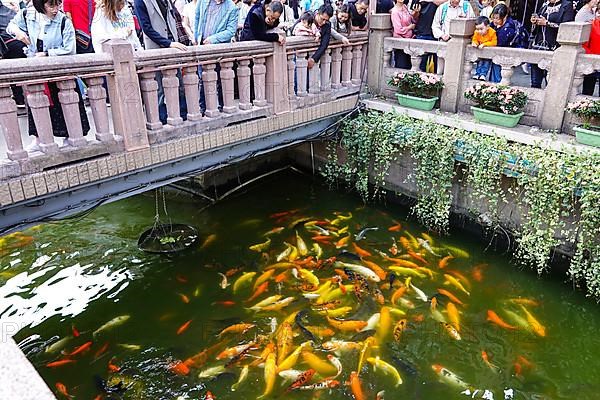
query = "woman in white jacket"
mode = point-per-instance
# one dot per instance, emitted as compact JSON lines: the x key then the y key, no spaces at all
{"x":113,"y":20}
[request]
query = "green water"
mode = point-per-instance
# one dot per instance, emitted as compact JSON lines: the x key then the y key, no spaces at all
{"x":82,"y":273}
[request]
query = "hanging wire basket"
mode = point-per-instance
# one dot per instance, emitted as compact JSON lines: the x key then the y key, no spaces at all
{"x":166,"y":237}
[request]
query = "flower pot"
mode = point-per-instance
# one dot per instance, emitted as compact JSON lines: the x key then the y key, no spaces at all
{"x":416,"y":102}
{"x":589,"y":136}
{"x":496,"y":118}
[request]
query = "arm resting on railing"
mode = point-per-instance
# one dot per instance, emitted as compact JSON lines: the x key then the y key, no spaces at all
{"x":226,"y":35}
{"x":325,"y":39}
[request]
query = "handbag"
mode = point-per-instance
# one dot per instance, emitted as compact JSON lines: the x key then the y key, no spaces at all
{"x":182,"y":36}
{"x":83,"y":41}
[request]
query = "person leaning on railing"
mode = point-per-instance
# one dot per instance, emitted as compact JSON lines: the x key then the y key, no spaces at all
{"x":358,"y":14}
{"x":506,"y":32}
{"x":47,"y":32}
{"x":261,"y":18}
{"x":404,"y":22}
{"x":545,"y":25}
{"x":341,"y":26}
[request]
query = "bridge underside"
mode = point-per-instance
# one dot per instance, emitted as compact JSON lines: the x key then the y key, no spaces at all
{"x":57,"y":193}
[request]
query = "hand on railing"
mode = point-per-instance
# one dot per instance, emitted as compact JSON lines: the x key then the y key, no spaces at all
{"x":311,"y":63}
{"x":178,"y":46}
{"x":22,"y":36}
{"x":281,"y":39}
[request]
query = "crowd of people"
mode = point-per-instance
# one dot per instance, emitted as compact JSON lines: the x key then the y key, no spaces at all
{"x":49,"y":28}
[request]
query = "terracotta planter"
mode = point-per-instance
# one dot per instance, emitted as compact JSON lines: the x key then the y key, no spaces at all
{"x":417,"y":103}
{"x":589,"y":136}
{"x":496,"y":118}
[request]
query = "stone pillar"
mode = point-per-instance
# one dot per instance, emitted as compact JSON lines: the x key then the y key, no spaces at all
{"x":192,"y":92}
{"x":336,"y":68}
{"x":244,"y":84}
{"x":149,"y":88}
{"x":461,"y":31}
{"x":380,"y":27}
{"x":347,"y":66}
{"x":313,"y":79}
{"x":227,"y":84}
{"x":39,"y":105}
{"x":571,"y":35}
{"x":259,"y":71}
{"x":170,"y":83}
{"x":69,"y":102}
{"x":125,"y":96}
{"x":357,"y":65}
{"x":209,"y":80}
{"x":9,"y":125}
{"x":97,"y":98}
{"x":326,"y":71}
{"x":277,"y":80}
{"x":291,"y":77}
{"x":301,"y":72}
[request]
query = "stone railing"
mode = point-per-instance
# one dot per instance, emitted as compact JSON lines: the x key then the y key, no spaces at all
{"x":239,"y":82}
{"x":566,"y":68}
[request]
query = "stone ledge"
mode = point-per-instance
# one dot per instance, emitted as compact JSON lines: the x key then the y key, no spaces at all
{"x":520,"y":134}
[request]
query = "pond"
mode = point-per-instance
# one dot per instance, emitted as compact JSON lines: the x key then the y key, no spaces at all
{"x":390,"y":311}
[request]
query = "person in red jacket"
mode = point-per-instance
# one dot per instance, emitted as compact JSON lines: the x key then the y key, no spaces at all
{"x":592,"y":47}
{"x":81,"y":12}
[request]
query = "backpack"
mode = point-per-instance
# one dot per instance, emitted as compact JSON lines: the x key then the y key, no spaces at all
{"x":521,"y":38}
{"x":62,"y":22}
{"x":445,"y":10}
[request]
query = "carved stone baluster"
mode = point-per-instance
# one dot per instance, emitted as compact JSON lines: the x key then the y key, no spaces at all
{"x":387,"y":58}
{"x":506,"y":72}
{"x":291,"y":66}
{"x":39,"y":105}
{"x":356,"y":65}
{"x":326,"y":71}
{"x":192,"y":92}
{"x":313,"y":79}
{"x":468,"y":67}
{"x":227,"y":85}
{"x":580,"y":73}
{"x":243,"y":73}
{"x":171,"y":87}
{"x":336,"y":68}
{"x":69,"y":102}
{"x":441,"y":66}
{"x":301,"y":73}
{"x":149,"y":88}
{"x":415,"y":59}
{"x":9,"y":123}
{"x":258,"y":72}
{"x":211,"y":97}
{"x":347,"y":66}
{"x":97,"y":97}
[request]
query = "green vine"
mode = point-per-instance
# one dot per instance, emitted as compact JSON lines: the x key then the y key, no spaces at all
{"x":557,"y":193}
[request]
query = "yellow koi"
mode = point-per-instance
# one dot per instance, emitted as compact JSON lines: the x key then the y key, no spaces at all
{"x":456,"y":283}
{"x":386,"y":368}
{"x":385,"y":324}
{"x":347,"y":325}
{"x":536,"y":326}
{"x":336,"y":312}
{"x":243,"y":280}
{"x":407,"y":271}
{"x":285,"y":339}
{"x":260,"y":247}
{"x":292,"y":359}
{"x":302,"y":249}
{"x":365,"y":351}
{"x":322,"y":367}
{"x":453,"y":315}
{"x":270,"y":374}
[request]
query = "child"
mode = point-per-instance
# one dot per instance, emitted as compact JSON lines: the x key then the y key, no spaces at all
{"x":341,"y":26}
{"x":488,"y":6}
{"x":304,"y":27}
{"x":484,"y":36}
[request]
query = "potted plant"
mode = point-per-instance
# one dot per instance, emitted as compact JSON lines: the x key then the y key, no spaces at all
{"x":497,"y":104}
{"x":417,"y":89}
{"x":589,"y":112}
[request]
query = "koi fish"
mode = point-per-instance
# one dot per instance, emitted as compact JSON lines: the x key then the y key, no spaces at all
{"x":396,"y":312}
{"x":451,"y":331}
{"x":456,"y":283}
{"x":494,"y":318}
{"x":184,"y":327}
{"x":234,"y":351}
{"x":535,"y":325}
{"x":259,"y":290}
{"x":112,"y":367}
{"x":130,"y":347}
{"x":487,"y":362}
{"x":343,"y":242}
{"x":75,"y":331}
{"x":224,"y":282}
{"x":385,"y":324}
{"x":361,"y":235}
{"x":420,"y":294}
{"x":453,"y":315}
{"x":101,"y":351}
{"x":236,"y":328}
{"x":81,"y":349}
{"x":360,"y":251}
{"x":458,"y":253}
{"x":426,"y":245}
{"x":395,"y":228}
{"x":62,"y":389}
{"x":302,"y":380}
{"x":397,"y":294}
{"x":274,"y":231}
{"x":117,"y":321}
{"x":380,"y":395}
{"x":417,"y":257}
{"x":58,"y":345}
{"x":184,"y":298}
{"x":270,"y":375}
{"x":225,"y":303}
{"x":518,"y":320}
{"x":307,"y":276}
{"x":449,"y":295}
{"x":449,"y":377}
{"x":376,"y":268}
{"x":443,"y":263}
{"x":365,"y":352}
{"x":324,"y":384}
{"x":181,"y":278}
{"x":336,"y":312}
{"x":291,"y":360}
{"x":322,"y":367}
{"x":387,"y":369}
{"x":210,"y":372}
{"x":302,"y":249}
{"x":372,"y":322}
{"x":340,"y":346}
{"x":178,"y":368}
{"x":59,"y":363}
{"x":359,"y":269}
{"x":290,"y":374}
{"x":525,"y":302}
{"x":265,"y":276}
{"x":278,"y":305}
{"x":244,"y":279}
{"x":283,"y":214}
{"x":260,"y":247}
{"x":399,"y":329}
{"x":336,"y":363}
{"x":209,"y":396}
{"x":355,"y":386}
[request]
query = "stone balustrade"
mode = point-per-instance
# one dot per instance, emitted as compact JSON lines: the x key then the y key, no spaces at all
{"x":566,"y":68}
{"x":236,"y":82}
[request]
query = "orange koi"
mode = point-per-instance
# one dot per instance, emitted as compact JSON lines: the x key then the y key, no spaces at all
{"x":181,"y":278}
{"x":237,"y":328}
{"x":184,"y":298}
{"x":306,"y":261}
{"x":112,"y":367}
{"x":486,"y":360}
{"x":102,"y":350}
{"x":360,"y":251}
{"x":342,"y":273}
{"x":405,"y":243}
{"x":397,"y":294}
{"x":523,"y":361}
{"x":184,"y":327}
{"x":234,"y":351}
{"x":60,"y":363}
{"x":526,"y":302}
{"x":198,"y":360}
{"x":395,"y":228}
{"x":302,"y":380}
{"x":402,"y":263}
{"x":81,"y":348}
{"x":179,"y":368}
{"x":343,"y":242}
{"x":443,"y":263}
{"x":380,"y":272}
{"x":259,"y":290}
{"x":433,"y":305}
{"x":231,"y":272}
{"x":449,"y":295}
{"x":419,"y":318}
{"x":265,"y":276}
{"x":62,"y":389}
{"x":225,"y":303}
{"x":347,"y":325}
{"x":355,"y":386}
{"x":75,"y":331}
{"x":518,"y":369}
{"x":284,"y":213}
{"x":322,"y":239}
{"x":453,"y":315}
{"x":281,"y":277}
{"x":209,"y":396}
{"x":99,"y":397}
{"x":494,"y":318}
{"x":417,"y":257}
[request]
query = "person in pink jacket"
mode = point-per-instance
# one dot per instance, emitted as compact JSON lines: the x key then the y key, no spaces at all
{"x":403,"y":22}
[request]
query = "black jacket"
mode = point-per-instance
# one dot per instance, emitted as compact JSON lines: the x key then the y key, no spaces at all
{"x":325,"y":38}
{"x":556,"y":13}
{"x":255,"y":27}
{"x":357,"y":19}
